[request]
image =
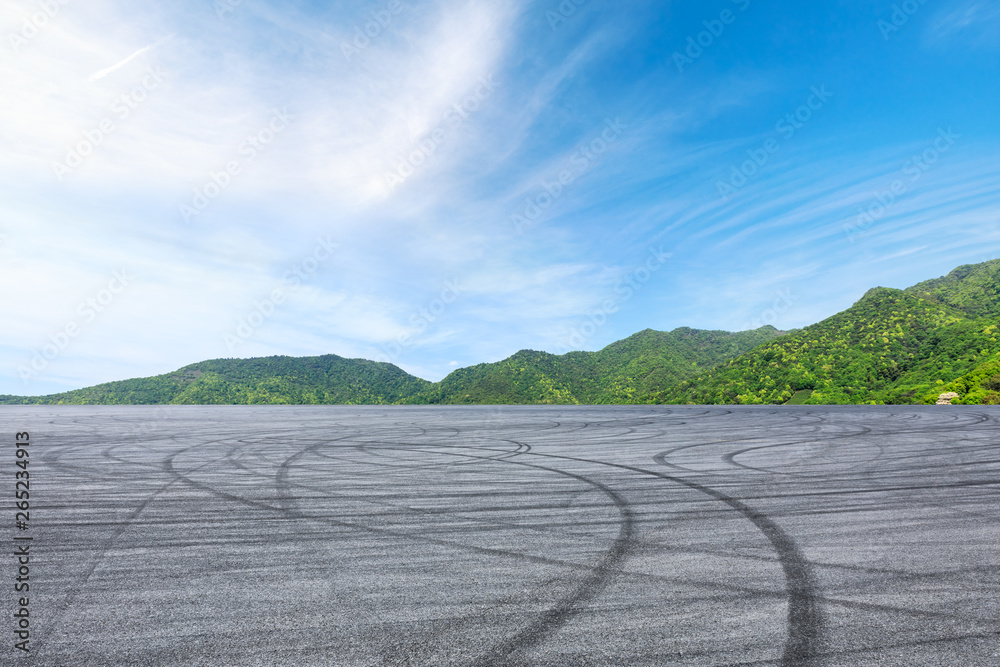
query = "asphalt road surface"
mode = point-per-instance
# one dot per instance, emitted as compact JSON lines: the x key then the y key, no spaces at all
{"x":490,"y":536}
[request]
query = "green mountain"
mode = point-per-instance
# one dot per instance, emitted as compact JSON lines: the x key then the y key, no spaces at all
{"x":628,"y":371}
{"x":892,"y":346}
{"x":328,"y":379}
{"x":633,"y":370}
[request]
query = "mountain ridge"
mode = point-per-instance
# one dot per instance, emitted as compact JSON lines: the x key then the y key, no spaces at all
{"x":891,"y":346}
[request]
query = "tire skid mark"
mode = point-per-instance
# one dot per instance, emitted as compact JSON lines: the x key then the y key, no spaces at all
{"x":77,"y":586}
{"x":283,"y":483}
{"x":591,"y":586}
{"x":298,"y":515}
{"x":888,"y":469}
{"x":662,"y":457}
{"x":883,"y":647}
{"x":730,"y":458}
{"x":907,"y":611}
{"x":371,"y":448}
{"x":826,"y":440}
{"x":53,"y":457}
{"x":384,"y":503}
{"x":593,"y":583}
{"x":885,"y":489}
{"x":805,"y":617}
{"x":566,"y":564}
{"x":405,"y":657}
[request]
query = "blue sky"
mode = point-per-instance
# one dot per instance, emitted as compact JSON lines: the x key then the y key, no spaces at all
{"x":439,"y":184}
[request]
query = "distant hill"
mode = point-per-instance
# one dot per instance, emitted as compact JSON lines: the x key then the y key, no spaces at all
{"x":892,"y":346}
{"x":633,"y":370}
{"x":327,"y":379}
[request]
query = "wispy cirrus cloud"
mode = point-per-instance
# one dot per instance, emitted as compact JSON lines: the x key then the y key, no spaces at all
{"x":108,"y":70}
{"x":975,"y":22}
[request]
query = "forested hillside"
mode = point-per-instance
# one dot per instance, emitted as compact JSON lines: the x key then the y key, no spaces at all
{"x":326,"y":379}
{"x":892,"y":346}
{"x":633,"y":370}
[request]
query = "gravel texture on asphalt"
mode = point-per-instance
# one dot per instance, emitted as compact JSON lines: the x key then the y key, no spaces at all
{"x":489,"y":536}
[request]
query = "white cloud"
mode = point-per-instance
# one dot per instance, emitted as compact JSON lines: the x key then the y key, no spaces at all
{"x":974,"y":22}
{"x":108,"y":70}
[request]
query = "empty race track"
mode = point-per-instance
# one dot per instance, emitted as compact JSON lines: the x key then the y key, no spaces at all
{"x":508,"y":536}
